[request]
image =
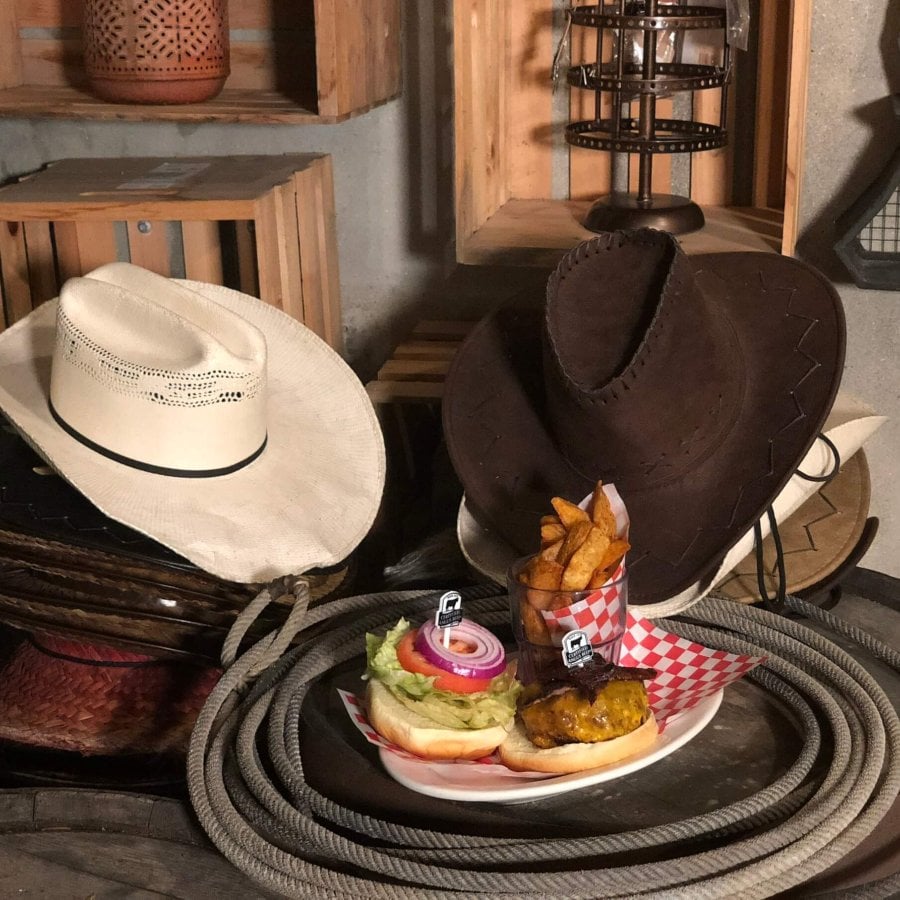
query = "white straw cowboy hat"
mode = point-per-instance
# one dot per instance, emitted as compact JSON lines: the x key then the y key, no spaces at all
{"x":200,"y":416}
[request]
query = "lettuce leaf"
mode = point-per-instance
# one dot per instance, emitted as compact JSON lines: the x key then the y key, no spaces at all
{"x":483,"y":709}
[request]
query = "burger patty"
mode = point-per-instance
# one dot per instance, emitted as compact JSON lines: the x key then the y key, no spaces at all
{"x":569,"y":714}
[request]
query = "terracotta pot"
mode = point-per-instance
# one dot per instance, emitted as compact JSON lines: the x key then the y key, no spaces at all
{"x":156,"y":51}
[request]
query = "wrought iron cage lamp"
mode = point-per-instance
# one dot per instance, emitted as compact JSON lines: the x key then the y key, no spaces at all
{"x":645,"y":135}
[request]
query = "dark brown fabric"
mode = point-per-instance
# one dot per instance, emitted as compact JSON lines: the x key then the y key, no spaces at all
{"x":695,"y":385}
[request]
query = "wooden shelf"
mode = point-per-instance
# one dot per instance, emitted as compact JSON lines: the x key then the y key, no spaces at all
{"x":539,"y":232}
{"x":261,"y":107}
{"x":291,"y":63}
{"x":264,"y":225}
{"x":511,"y":154}
{"x":417,"y":368}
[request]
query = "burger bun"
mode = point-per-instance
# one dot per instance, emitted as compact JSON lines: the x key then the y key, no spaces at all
{"x":423,"y":737}
{"x":518,"y":753}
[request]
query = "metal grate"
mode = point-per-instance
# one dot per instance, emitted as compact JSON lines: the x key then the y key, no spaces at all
{"x":882,"y":233}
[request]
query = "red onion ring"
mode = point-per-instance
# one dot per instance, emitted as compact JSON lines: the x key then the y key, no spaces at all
{"x":486,"y":659}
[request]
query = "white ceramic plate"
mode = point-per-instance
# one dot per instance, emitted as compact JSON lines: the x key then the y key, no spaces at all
{"x":489,"y":783}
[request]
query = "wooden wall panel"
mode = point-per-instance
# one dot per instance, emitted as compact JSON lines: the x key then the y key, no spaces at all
{"x":48,"y":13}
{"x":149,"y":249}
{"x":479,"y":49}
{"x":798,"y":86}
{"x":711,"y":169}
{"x":529,"y":114}
{"x":315,"y":217}
{"x":202,"y":251}
{"x":287,"y":237}
{"x":771,"y":96}
{"x":10,"y":58}
{"x":350,"y":69}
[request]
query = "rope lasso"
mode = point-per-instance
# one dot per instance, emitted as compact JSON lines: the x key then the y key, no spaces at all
{"x":249,"y":789}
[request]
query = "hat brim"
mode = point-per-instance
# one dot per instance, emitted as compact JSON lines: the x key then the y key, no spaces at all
{"x":306,"y":502}
{"x":93,"y":699}
{"x":788,"y":323}
{"x":849,"y":425}
{"x":815,"y":540}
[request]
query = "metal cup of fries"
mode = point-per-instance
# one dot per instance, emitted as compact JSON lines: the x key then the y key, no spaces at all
{"x":578,"y":580}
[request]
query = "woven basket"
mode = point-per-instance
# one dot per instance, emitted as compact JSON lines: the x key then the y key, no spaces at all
{"x":156,"y":51}
{"x":61,"y":694}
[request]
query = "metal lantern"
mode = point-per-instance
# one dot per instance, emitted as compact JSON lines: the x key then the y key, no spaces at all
{"x":642,"y":82}
{"x":156,"y":51}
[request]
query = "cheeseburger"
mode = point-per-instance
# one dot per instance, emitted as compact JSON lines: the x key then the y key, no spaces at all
{"x":437,"y":698}
{"x":580,"y":717}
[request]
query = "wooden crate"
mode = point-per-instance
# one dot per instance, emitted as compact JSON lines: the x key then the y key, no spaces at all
{"x":416,"y":369}
{"x":521,"y":192}
{"x":292,"y":61}
{"x":262,"y":224}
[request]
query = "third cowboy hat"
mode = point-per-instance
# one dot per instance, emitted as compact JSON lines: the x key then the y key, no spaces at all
{"x":696,"y":385}
{"x":199,"y":416}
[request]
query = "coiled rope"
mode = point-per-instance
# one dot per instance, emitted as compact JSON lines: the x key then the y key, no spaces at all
{"x":296,"y":842}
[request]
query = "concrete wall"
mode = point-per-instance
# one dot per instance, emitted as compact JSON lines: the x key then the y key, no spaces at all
{"x":393,"y":185}
{"x":851,"y":134}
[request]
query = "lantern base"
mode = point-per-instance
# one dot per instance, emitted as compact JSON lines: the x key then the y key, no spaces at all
{"x":665,"y":212}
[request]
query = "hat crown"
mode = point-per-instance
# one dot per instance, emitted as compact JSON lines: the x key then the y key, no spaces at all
{"x":640,"y":367}
{"x":159,"y":358}
{"x":164,"y":379}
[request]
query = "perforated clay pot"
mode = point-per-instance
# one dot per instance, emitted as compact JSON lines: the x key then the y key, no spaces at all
{"x":156,"y":51}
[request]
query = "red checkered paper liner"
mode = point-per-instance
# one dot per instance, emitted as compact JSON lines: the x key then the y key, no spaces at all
{"x":601,"y":615}
{"x":686,"y":672}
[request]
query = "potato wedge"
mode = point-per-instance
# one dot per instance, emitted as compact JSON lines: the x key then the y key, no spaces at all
{"x":600,"y":577}
{"x":601,"y":512}
{"x":560,"y":601}
{"x":568,"y":512}
{"x":533,"y":625}
{"x":552,"y":533}
{"x":574,"y":538}
{"x":614,"y":554}
{"x":551,"y":551}
{"x":584,"y":560}
{"x":543,"y":574}
{"x":610,"y":562}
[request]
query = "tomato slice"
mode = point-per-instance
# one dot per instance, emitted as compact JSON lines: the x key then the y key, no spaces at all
{"x":413,"y":661}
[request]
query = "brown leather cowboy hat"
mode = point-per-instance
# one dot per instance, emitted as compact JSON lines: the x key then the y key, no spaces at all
{"x":695,"y":385}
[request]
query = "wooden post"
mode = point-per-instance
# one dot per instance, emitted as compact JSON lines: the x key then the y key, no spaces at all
{"x":798,"y":86}
{"x":202,"y":251}
{"x":14,"y":267}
